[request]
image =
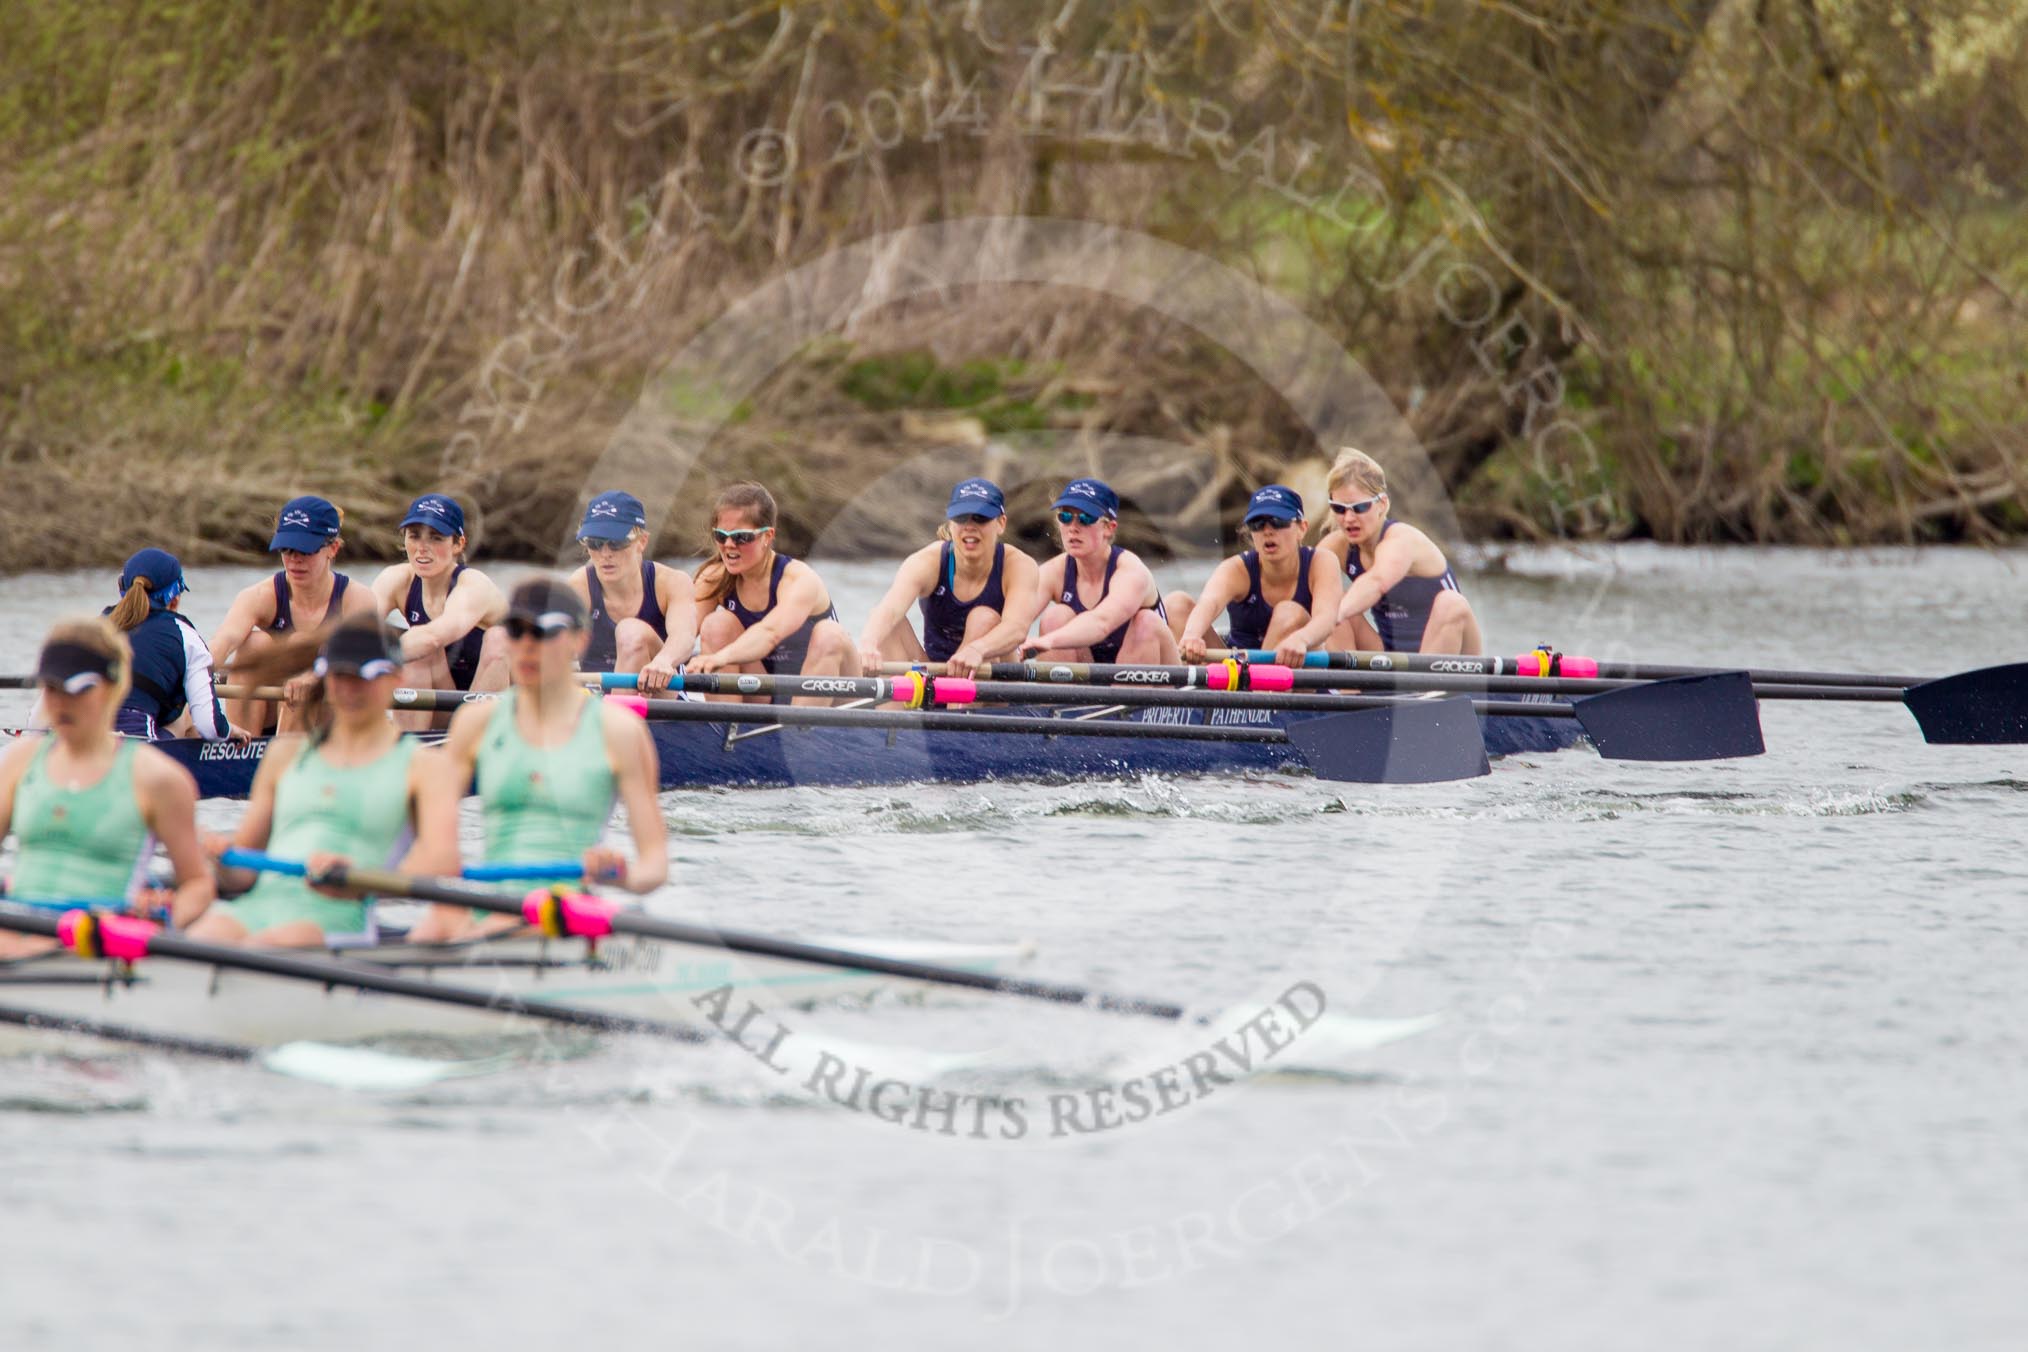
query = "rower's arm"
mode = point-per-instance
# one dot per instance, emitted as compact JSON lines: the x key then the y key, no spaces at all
{"x":207,"y":715}
{"x":800,"y":597}
{"x":253,"y":607}
{"x":169,"y":806}
{"x":676,"y":592}
{"x":473,"y":601}
{"x":1391,"y":560}
{"x":1327,"y":591}
{"x":434,"y":794}
{"x":1020,"y":583}
{"x":11,"y":767}
{"x":257,"y":822}
{"x":1227,"y":582}
{"x":389,"y":590}
{"x":637,"y":775}
{"x":1124,"y":600}
{"x":915,"y":579}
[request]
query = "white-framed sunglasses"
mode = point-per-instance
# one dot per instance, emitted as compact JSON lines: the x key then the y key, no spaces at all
{"x":1359,"y":508}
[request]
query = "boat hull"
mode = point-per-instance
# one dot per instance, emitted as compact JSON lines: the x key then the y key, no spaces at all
{"x":703,"y":755}
{"x":624,"y":976}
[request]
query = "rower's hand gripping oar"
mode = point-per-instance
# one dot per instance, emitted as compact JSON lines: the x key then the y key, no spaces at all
{"x":561,"y":914}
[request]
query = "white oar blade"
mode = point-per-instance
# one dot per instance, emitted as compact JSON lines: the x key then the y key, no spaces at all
{"x":363,"y":1068}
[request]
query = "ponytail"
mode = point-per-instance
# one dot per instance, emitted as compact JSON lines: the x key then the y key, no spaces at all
{"x":133,"y":607}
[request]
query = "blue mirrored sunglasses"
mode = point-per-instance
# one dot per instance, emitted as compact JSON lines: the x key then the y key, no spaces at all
{"x":1068,"y":515}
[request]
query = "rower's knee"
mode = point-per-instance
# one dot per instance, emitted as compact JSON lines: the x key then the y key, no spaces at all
{"x":979,"y":622}
{"x":832,"y":651}
{"x":1284,"y":620}
{"x":1179,"y":604}
{"x":1148,"y":639}
{"x":719,"y":628}
{"x":1054,"y":616}
{"x":635,"y":644}
{"x":1450,"y":620}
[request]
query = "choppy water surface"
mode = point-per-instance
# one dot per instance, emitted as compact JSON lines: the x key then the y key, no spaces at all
{"x":1733,"y":1056}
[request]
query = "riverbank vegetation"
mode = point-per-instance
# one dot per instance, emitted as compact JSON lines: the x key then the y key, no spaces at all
{"x":1700,"y":270}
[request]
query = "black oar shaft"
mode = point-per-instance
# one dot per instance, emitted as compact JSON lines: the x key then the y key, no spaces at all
{"x":277,"y":962}
{"x":766,"y":945}
{"x":121,"y":1032}
{"x":1624,"y":671}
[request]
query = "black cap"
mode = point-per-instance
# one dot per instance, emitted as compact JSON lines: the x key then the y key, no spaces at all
{"x":74,"y":668}
{"x":549,"y":605}
{"x":359,"y":650}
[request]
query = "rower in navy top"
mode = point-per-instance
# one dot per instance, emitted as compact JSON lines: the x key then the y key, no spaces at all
{"x":171,"y":668}
{"x":977,"y":596}
{"x":1392,"y":570}
{"x":447,"y":612}
{"x":1125,"y":620}
{"x":643,"y":615}
{"x":1280,"y":594}
{"x":765,"y":612}
{"x":304,"y":597}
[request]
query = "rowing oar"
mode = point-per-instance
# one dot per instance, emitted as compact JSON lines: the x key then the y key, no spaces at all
{"x":1394,"y":742}
{"x":1548,"y":662}
{"x":340,"y":1067}
{"x":107,"y":935}
{"x":559,"y":914}
{"x":1983,"y":707}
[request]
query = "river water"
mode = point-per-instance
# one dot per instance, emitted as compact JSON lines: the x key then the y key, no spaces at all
{"x":1732,"y":1055}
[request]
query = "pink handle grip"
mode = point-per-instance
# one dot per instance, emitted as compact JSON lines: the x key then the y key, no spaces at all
{"x":633,"y":704}
{"x":119,"y":936}
{"x":1577,"y":668}
{"x":577,"y":913}
{"x":1269,"y":676}
{"x":953,"y":690}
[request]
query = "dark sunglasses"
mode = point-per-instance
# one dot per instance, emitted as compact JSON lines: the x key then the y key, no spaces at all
{"x":973,"y":519}
{"x":1066,"y":516}
{"x":1360,"y":508}
{"x":1266,"y":522}
{"x":591,"y":545}
{"x":518,"y":628}
{"x":738,"y":537}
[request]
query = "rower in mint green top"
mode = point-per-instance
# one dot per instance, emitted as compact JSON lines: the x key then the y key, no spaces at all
{"x":79,"y":843}
{"x":544,"y":803}
{"x":360,"y":811}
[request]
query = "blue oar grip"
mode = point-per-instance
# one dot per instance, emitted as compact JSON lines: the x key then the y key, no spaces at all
{"x":540,"y":870}
{"x":615,"y":680}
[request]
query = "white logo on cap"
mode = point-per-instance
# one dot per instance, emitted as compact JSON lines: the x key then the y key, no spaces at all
{"x":973,"y":491}
{"x":434,"y":506}
{"x":295,"y":518}
{"x":604,"y":509}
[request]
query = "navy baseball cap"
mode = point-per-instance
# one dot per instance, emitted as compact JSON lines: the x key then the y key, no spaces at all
{"x":306,"y":525}
{"x":1283,"y":504}
{"x":439,"y":513}
{"x":368,"y":651}
{"x":976,"y":497}
{"x":612,"y":516}
{"x":1089,"y":495}
{"x":162,"y":571}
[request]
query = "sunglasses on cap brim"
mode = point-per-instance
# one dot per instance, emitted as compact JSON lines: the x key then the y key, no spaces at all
{"x":544,"y":626}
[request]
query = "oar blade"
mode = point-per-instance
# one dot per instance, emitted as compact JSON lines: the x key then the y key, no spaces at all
{"x":1988,"y":707}
{"x":1423,"y":741}
{"x":365,"y":1069}
{"x":1690,"y":718}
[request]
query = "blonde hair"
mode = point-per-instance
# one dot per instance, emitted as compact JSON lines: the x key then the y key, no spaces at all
{"x":1358,"y":468}
{"x":98,"y":634}
{"x":713,"y":583}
